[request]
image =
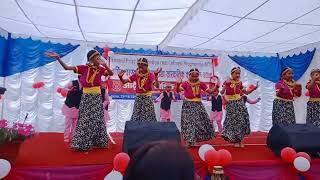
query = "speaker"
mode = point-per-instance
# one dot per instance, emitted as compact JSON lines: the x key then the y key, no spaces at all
{"x":301,"y":137}
{"x":138,"y":133}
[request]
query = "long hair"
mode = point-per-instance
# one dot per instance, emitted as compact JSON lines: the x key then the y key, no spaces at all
{"x":159,"y":161}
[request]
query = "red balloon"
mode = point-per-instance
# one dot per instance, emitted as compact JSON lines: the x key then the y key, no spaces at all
{"x":307,"y":93}
{"x":106,"y":49}
{"x":59,"y":90}
{"x":212,"y":157}
{"x":216,"y":61}
{"x":64,"y":93}
{"x":41,"y":84}
{"x":120,"y":162}
{"x":225,"y":157}
{"x":303,"y":154}
{"x":35,"y":85}
{"x":105,"y":55}
{"x":288,"y":154}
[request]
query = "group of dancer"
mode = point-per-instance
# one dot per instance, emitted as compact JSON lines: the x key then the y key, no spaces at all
{"x":196,"y":125}
{"x":286,"y":92}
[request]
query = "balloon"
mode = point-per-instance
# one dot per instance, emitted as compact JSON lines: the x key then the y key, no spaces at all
{"x":307,"y":93}
{"x":59,"y":90}
{"x":288,"y":154}
{"x":106,"y":49}
{"x":111,"y":53}
{"x":120,"y":162}
{"x":203,"y":149}
{"x":303,"y":154}
{"x":301,"y":164}
{"x":212,"y":157}
{"x":113,"y":175}
{"x":64,"y":93}
{"x":216,"y":61}
{"x":225,"y":157}
{"x":105,"y":55}
{"x":5,"y":168}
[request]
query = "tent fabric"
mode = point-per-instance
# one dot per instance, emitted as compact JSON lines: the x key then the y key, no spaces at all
{"x":19,"y":55}
{"x":270,"y":67}
{"x":268,"y":26}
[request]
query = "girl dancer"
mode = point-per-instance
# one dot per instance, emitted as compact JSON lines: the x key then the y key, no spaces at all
{"x":143,"y":109}
{"x":313,"y":105}
{"x":286,"y":90}
{"x":166,"y":97}
{"x":70,"y":108}
{"x":236,"y":124}
{"x":91,"y":129}
{"x":195,"y":122}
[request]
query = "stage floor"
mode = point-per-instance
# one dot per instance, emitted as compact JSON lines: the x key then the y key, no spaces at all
{"x":48,"y":149}
{"x":46,"y":156}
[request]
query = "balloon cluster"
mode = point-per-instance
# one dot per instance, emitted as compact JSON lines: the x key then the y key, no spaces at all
{"x":63,"y":92}
{"x":301,"y":160}
{"x":107,"y":53}
{"x":120,"y":164}
{"x":212,"y":157}
{"x":38,"y":85}
{"x":5,"y":168}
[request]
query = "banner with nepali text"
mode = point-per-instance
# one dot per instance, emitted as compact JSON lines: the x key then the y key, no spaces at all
{"x":173,"y":68}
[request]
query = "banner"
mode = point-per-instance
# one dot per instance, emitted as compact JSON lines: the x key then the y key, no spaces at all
{"x":173,"y":68}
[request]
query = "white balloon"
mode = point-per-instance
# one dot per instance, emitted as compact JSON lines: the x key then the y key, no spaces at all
{"x":203,"y":149}
{"x":301,"y":164}
{"x":110,"y":53}
{"x":5,"y":168}
{"x":113,"y":175}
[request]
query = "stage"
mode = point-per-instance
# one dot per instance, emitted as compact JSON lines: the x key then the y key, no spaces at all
{"x":46,"y":156}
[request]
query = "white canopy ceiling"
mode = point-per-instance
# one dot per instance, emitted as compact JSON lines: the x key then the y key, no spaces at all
{"x":230,"y":25}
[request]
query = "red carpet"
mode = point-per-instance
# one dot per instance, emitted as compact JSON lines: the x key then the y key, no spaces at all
{"x":48,"y":149}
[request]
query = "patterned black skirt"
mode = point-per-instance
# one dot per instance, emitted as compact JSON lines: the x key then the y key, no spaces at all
{"x":283,"y":112}
{"x":313,"y":113}
{"x":91,"y":128}
{"x":195,"y":123}
{"x":237,"y":123}
{"x":143,"y":109}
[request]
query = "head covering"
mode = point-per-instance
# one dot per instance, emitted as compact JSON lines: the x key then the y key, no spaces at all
{"x":235,"y":69}
{"x":285,"y":70}
{"x":314,"y":71}
{"x":160,"y":160}
{"x":193,"y":70}
{"x":92,"y":53}
{"x":142,"y":61}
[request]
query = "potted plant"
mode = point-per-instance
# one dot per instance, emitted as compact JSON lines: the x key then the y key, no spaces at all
{"x":11,"y":137}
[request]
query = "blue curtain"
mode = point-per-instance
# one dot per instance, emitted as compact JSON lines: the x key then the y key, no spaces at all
{"x":271,"y":67}
{"x":19,"y":55}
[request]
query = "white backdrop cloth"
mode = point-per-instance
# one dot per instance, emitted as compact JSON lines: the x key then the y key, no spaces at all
{"x":44,"y":106}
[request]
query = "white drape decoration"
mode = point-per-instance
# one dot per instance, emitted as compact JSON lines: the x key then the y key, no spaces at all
{"x":44,"y":105}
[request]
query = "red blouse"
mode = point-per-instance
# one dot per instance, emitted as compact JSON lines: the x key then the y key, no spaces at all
{"x":144,"y":84}
{"x":287,"y":91}
{"x":314,"y":90}
{"x":233,"y":87}
{"x":192,"y":91}
{"x":90,"y":75}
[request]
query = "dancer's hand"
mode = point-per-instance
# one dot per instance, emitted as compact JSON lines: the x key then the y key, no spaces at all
{"x":121,"y":73}
{"x":52,"y":55}
{"x":158,"y":71}
{"x":179,"y":81}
